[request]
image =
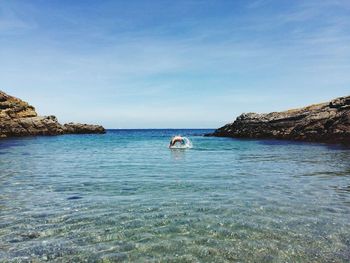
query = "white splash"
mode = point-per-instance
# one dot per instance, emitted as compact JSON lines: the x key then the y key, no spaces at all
{"x":186,"y":145}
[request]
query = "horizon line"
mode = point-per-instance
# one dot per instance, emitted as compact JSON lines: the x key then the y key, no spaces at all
{"x":160,"y":128}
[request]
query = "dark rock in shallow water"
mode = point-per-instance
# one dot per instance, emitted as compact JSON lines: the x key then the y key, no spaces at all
{"x":74,"y":197}
{"x":326,"y":122}
{"x":18,"y":118}
{"x":31,"y":235}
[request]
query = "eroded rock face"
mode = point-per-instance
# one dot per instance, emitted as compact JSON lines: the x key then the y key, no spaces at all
{"x":325,"y":122}
{"x":18,"y":118}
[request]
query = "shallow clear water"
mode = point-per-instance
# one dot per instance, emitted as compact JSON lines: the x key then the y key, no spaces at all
{"x":126,"y":196}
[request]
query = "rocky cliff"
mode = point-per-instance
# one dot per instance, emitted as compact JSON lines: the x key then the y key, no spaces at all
{"x":326,"y":122}
{"x":18,"y":118}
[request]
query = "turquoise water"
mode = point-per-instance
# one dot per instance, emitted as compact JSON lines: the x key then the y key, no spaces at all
{"x":124,"y":196}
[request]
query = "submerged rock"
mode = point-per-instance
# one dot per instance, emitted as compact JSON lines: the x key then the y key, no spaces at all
{"x":74,"y":197}
{"x":18,"y":118}
{"x":326,"y":122}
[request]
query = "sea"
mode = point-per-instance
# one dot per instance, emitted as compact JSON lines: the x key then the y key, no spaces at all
{"x":124,"y":196}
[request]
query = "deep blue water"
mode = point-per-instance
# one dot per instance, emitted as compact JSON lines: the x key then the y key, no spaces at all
{"x":124,"y":196}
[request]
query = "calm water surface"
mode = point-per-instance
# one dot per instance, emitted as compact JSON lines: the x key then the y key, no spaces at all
{"x":124,"y":196}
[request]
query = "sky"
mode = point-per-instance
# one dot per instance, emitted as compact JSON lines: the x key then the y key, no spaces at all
{"x":173,"y":64}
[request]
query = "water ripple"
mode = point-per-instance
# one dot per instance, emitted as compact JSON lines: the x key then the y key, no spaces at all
{"x":124,"y":196}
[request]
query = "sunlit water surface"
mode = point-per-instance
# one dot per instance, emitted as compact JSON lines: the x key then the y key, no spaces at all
{"x":124,"y":196}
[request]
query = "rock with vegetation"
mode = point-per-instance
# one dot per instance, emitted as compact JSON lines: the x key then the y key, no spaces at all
{"x":18,"y":118}
{"x":326,"y":122}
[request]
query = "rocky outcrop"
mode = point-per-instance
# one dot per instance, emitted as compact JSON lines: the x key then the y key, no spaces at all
{"x":79,"y":128}
{"x":325,"y":122}
{"x":18,"y":118}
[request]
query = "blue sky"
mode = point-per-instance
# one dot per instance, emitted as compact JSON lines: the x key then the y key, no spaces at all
{"x":161,"y":64}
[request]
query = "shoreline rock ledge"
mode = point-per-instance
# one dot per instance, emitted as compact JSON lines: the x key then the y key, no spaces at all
{"x":326,"y":122}
{"x":18,"y":118}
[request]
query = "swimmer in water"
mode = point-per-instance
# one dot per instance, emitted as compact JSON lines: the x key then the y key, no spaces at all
{"x":176,"y":139}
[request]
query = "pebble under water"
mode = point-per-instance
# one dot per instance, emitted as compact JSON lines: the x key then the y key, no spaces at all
{"x":124,"y":196}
